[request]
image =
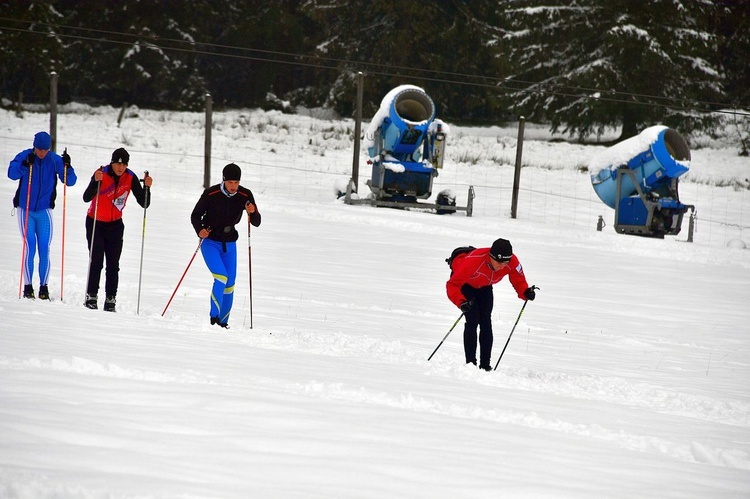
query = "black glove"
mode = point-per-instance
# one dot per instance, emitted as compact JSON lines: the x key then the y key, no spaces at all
{"x":66,"y":158}
{"x":468,"y":292}
{"x":29,"y":160}
{"x":530,"y":294}
{"x":466,"y":306}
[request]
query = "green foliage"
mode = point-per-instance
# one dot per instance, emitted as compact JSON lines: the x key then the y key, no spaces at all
{"x":586,"y":65}
{"x":582,"y":66}
{"x":732,"y":25}
{"x":30,"y":48}
{"x":440,"y":46}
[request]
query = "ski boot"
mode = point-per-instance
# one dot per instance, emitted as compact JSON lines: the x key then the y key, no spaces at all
{"x":109,"y":304}
{"x":217,"y":321}
{"x":43,"y":292}
{"x":90,"y":302}
{"x":28,"y":291}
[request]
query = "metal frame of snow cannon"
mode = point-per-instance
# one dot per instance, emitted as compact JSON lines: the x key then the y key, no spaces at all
{"x":407,"y":152}
{"x":644,"y":190}
{"x":649,"y":214}
{"x":384,"y":203}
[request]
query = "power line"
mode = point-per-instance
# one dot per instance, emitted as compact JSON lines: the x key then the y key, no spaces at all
{"x":386,"y":70}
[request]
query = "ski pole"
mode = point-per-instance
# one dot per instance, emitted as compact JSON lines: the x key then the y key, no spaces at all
{"x":93,"y":232}
{"x":65,"y":198}
{"x":25,"y":231}
{"x":446,"y":336}
{"x":143,"y":241}
{"x":181,"y":278}
{"x":511,"y":331}
{"x":250,"y":267}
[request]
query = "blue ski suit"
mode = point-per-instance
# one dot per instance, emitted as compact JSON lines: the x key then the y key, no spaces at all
{"x":36,"y":226}
{"x":219,"y":211}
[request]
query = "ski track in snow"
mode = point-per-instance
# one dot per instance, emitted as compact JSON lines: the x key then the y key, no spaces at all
{"x":625,"y":391}
{"x":613,"y":390}
{"x":690,"y":452}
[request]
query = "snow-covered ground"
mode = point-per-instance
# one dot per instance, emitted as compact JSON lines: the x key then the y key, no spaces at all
{"x":627,"y":377}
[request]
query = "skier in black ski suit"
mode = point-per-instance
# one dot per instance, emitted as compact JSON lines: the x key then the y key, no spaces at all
{"x":218,"y":210}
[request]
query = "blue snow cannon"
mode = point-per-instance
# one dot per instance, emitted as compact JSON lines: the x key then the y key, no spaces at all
{"x":639,"y":179}
{"x":405,"y":145}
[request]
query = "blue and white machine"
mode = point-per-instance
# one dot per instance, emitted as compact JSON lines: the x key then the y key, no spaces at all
{"x":405,"y":146}
{"x":401,"y":142}
{"x":639,"y":178}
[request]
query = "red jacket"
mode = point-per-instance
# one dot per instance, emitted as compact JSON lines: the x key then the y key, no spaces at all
{"x":113,"y":194}
{"x":474,"y":269}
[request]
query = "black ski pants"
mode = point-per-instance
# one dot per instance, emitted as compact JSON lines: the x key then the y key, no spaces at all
{"x":107,"y":243}
{"x":480,"y":315}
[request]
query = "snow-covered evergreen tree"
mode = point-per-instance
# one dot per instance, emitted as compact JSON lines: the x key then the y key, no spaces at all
{"x":440,"y":46}
{"x":30,"y":48}
{"x":585,"y":65}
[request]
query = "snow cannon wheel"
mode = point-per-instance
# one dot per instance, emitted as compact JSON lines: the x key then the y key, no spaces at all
{"x":445,"y":198}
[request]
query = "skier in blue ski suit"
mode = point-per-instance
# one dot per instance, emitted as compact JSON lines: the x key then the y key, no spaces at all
{"x":43,"y":167}
{"x":218,"y":210}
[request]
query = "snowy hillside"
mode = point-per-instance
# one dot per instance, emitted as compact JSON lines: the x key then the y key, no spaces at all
{"x":626,"y":377}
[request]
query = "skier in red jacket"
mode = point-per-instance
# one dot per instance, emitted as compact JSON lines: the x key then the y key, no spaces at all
{"x":108,"y":191}
{"x":470,"y":289}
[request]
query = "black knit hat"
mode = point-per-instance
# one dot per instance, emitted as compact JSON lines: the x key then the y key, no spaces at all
{"x":501,"y":250}
{"x":231,"y":172}
{"x":120,"y":156}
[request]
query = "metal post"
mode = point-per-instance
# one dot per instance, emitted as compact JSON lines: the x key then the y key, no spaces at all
{"x":250,"y":267}
{"x":122,"y":113}
{"x":446,"y":336}
{"x":207,"y":145}
{"x":357,"y":131}
{"x":146,"y":199}
{"x":511,"y":331}
{"x":53,"y":109}
{"x":26,"y":231}
{"x":93,"y":234}
{"x":65,"y":204}
{"x":600,"y":223}
{"x":517,"y":176}
{"x":181,"y":278}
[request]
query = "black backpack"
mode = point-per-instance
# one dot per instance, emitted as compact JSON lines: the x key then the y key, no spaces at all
{"x":458,"y":251}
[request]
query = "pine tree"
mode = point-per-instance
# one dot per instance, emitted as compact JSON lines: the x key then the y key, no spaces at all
{"x":586,"y":65}
{"x":30,"y":48}
{"x":733,"y":26}
{"x":440,"y":46}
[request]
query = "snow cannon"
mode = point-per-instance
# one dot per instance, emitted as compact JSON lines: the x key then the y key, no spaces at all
{"x":405,"y":144}
{"x":639,"y":178}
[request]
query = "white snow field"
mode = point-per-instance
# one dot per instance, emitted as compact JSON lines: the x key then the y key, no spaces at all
{"x":627,"y":377}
